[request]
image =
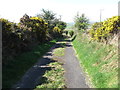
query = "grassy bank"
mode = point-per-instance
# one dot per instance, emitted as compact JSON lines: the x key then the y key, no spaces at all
{"x":15,"y":68}
{"x":59,"y":52}
{"x":100,"y":61}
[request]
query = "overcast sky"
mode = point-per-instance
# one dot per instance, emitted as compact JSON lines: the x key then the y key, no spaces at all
{"x":13,"y":10}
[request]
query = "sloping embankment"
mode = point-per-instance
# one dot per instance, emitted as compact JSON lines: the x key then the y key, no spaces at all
{"x":100,"y":62}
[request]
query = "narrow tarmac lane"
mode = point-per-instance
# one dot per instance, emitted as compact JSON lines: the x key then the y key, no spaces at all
{"x":74,"y":76}
{"x":32,"y":77}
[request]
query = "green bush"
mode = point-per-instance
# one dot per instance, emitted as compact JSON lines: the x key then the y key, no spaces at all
{"x":11,"y":42}
{"x":81,"y":22}
{"x":62,"y":25}
{"x":66,"y":32}
{"x":71,"y":33}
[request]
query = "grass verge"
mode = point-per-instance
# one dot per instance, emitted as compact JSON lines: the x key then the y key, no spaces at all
{"x":99,"y":61}
{"x":15,"y":69}
{"x":54,"y":77}
{"x":59,"y":52}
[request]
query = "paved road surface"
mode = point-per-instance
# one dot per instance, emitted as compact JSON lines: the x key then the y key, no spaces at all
{"x":74,"y":75}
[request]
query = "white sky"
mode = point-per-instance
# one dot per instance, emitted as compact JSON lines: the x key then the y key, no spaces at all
{"x":13,"y":10}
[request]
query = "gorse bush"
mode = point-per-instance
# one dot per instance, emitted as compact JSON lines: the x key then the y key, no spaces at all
{"x":11,"y":42}
{"x":18,"y":38}
{"x":57,"y":32}
{"x":40,"y":29}
{"x":36,"y":27}
{"x":106,"y":29}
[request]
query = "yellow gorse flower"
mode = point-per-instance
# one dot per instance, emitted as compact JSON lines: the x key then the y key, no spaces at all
{"x":103,"y":29}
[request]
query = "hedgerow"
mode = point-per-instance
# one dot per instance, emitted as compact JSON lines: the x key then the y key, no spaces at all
{"x":106,"y":29}
{"x":18,"y":38}
{"x":11,"y":41}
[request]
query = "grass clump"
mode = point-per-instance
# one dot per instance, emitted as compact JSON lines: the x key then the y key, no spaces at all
{"x":99,"y":61}
{"x":54,"y":77}
{"x":15,"y":69}
{"x":59,"y":52}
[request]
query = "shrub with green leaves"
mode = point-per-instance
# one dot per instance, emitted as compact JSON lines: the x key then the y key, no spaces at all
{"x":62,"y":25}
{"x":66,"y":32}
{"x":71,"y":33}
{"x":11,"y":43}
